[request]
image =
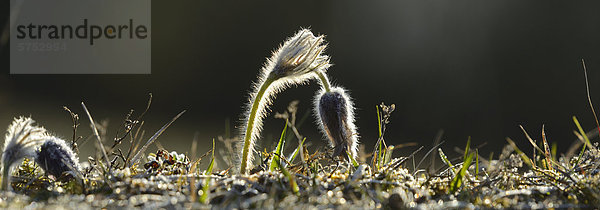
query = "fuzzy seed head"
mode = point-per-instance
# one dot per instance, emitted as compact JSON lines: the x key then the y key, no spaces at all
{"x":56,"y":157}
{"x":21,"y":141}
{"x":334,"y":111}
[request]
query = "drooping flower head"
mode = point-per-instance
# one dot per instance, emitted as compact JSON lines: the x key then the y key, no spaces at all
{"x":300,"y":55}
{"x":21,"y":141}
{"x":334,"y":111}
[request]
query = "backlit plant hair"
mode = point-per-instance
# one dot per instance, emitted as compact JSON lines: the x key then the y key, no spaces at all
{"x":294,"y":63}
{"x":334,"y":111}
{"x":21,"y":141}
{"x":24,"y":140}
{"x":56,"y":157}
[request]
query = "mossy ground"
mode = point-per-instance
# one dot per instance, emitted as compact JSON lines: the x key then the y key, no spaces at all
{"x":172,"y":180}
{"x":501,"y":183}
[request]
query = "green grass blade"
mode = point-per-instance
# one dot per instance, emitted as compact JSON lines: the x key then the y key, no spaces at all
{"x":378,"y":121}
{"x":292,"y":157}
{"x":205,"y":188}
{"x":354,"y":163}
{"x":467,"y":148}
{"x":524,"y":157}
{"x":477,"y":163}
{"x":585,"y":137}
{"x":587,"y":140}
{"x":290,"y":177}
{"x":458,"y":179}
{"x":378,"y":157}
{"x":275,"y":161}
{"x":553,"y":150}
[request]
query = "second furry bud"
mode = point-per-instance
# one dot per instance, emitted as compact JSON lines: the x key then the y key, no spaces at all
{"x":55,"y":157}
{"x":335,"y":115}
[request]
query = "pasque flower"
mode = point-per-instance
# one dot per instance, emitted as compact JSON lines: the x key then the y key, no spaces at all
{"x":25,"y":140}
{"x":294,"y":63}
{"x":21,"y":141}
{"x":334,"y":111}
{"x":56,"y":157}
{"x":299,"y":55}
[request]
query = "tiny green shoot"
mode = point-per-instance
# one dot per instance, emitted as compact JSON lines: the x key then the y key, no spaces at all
{"x":275,"y":161}
{"x":290,"y":177}
{"x":297,"y":151}
{"x":458,"y":179}
{"x":587,"y":140}
{"x":354,"y":163}
{"x":205,"y":188}
{"x":476,"y":163}
{"x":467,"y":148}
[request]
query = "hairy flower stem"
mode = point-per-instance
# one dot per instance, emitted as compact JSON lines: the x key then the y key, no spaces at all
{"x":5,"y":178}
{"x":294,"y":63}
{"x":252,"y":119}
{"x":324,"y":81}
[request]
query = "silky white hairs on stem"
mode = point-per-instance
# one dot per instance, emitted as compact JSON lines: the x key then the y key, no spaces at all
{"x":293,"y":63}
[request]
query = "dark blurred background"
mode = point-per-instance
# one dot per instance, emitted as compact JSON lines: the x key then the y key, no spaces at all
{"x":468,"y":67}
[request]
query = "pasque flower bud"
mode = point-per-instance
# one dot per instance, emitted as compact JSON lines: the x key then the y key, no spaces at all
{"x":56,"y":157}
{"x":335,"y":115}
